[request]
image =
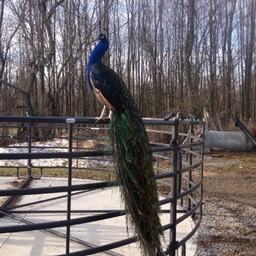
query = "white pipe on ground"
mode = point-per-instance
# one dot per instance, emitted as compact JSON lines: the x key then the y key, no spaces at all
{"x":226,"y":140}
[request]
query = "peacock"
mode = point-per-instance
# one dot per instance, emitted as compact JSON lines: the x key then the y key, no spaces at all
{"x":132,"y":151}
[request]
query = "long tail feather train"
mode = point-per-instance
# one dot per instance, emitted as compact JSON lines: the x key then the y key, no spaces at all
{"x":136,"y":176}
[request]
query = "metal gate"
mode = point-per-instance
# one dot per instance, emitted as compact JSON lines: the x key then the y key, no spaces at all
{"x":177,"y":146}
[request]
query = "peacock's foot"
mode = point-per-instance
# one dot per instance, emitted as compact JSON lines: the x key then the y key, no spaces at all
{"x":102,"y":115}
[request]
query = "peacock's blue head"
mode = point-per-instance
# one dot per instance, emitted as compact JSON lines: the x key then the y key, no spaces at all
{"x":99,"y":50}
{"x":102,"y":37}
{"x":97,"y":54}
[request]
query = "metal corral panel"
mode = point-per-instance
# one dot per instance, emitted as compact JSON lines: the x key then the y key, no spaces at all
{"x":232,"y":141}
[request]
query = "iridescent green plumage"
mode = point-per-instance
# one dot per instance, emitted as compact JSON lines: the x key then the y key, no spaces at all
{"x":135,"y":174}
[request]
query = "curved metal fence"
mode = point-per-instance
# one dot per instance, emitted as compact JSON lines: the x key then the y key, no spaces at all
{"x":80,"y":151}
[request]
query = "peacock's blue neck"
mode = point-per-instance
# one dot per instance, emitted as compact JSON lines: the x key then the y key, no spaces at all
{"x":98,"y":52}
{"x":96,"y":56}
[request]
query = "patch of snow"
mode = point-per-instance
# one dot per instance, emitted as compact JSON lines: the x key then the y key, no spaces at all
{"x":53,"y":146}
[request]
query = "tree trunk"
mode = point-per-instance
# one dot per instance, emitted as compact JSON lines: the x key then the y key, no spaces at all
{"x":190,"y":38}
{"x":249,"y":61}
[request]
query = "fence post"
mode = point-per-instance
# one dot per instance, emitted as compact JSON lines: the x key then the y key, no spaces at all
{"x":30,"y":133}
{"x":174,"y":188}
{"x":190,"y":178}
{"x":70,"y":122}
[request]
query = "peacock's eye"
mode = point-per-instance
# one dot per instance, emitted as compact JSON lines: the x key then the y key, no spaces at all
{"x":101,"y":36}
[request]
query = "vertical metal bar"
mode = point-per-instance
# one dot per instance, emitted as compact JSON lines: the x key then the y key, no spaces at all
{"x":18,"y":172}
{"x":202,"y":171}
{"x":30,"y":132}
{"x":173,"y":206}
{"x":183,"y":250}
{"x":158,"y":158}
{"x":179,"y":185}
{"x":190,"y":178}
{"x":69,"y":192}
{"x":77,"y":144}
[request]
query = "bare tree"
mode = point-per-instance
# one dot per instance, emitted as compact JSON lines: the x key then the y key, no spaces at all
{"x":250,"y":36}
{"x":173,"y":55}
{"x":188,"y":48}
{"x":227,"y":58}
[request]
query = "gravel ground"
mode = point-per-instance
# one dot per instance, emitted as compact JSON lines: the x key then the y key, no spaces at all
{"x":229,"y":212}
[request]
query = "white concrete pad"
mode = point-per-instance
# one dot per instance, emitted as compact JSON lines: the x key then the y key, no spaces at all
{"x":35,"y":243}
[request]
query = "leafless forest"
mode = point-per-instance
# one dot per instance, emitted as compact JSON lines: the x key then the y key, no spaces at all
{"x":173,"y":55}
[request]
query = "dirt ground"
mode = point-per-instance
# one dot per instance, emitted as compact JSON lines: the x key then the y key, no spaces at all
{"x":229,"y":211}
